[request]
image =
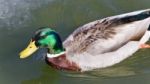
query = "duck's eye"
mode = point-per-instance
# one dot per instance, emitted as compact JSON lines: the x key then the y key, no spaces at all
{"x":42,"y":37}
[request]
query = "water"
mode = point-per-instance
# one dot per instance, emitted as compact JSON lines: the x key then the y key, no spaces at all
{"x":20,"y":18}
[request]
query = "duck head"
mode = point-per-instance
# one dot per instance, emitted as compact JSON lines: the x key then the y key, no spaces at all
{"x":44,"y":38}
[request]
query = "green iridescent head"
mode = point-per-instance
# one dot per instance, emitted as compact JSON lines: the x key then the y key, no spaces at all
{"x":44,"y":38}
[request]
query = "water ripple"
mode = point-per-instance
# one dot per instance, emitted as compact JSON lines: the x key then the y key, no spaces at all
{"x":16,"y":13}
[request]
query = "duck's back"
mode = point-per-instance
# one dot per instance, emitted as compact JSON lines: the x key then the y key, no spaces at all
{"x":108,"y":34}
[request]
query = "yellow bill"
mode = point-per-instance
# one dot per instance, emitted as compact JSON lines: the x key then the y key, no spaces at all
{"x":29,"y":50}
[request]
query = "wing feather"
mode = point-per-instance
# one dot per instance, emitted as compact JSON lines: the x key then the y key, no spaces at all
{"x":86,"y":35}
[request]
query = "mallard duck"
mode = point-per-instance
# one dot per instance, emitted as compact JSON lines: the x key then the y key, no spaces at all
{"x":98,"y":44}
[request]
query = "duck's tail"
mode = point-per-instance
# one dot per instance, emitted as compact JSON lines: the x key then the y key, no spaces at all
{"x":132,"y":16}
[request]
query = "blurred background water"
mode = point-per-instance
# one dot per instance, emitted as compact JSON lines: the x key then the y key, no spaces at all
{"x":20,"y":18}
